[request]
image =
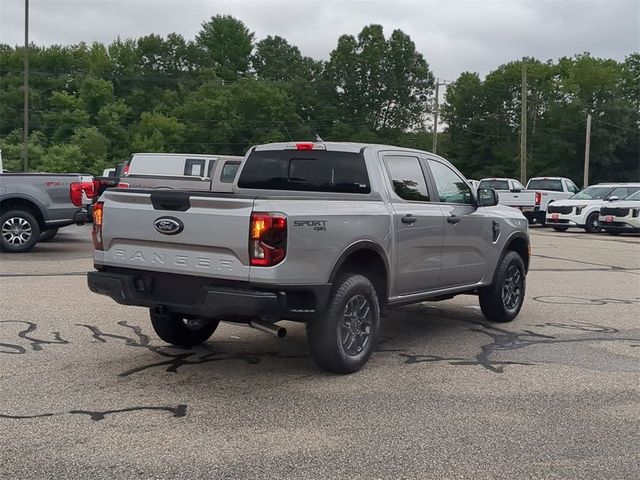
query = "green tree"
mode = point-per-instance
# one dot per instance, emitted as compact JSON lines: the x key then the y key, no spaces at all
{"x":226,"y":45}
{"x":379,"y":83}
{"x":156,"y":132}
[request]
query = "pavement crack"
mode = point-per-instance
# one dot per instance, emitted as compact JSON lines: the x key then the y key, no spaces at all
{"x":178,"y":411}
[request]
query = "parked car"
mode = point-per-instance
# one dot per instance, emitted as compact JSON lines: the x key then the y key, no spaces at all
{"x":551,"y":189}
{"x":622,"y":216}
{"x":583,"y":209}
{"x":533,"y":200}
{"x":33,"y":206}
{"x":211,"y":172}
{"x":179,"y":171}
{"x":511,"y":193}
{"x":323,"y":233}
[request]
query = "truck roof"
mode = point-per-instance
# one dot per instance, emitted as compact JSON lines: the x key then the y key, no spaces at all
{"x":190,"y":155}
{"x":548,"y":178}
{"x":616,"y":184}
{"x":352,"y":147}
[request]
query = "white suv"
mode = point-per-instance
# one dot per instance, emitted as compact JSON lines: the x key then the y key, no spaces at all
{"x":583,"y":209}
{"x":622,"y":216}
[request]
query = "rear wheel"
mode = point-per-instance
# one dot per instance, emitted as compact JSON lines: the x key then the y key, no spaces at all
{"x":502,"y":300}
{"x":343,"y":338}
{"x":48,"y":235}
{"x":592,"y":225}
{"x":19,"y":231}
{"x":560,"y":229}
{"x":178,"y":329}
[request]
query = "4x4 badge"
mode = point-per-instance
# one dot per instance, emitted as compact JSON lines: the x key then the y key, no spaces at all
{"x":168,"y":225}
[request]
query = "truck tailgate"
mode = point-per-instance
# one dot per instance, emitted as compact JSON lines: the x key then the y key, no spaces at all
{"x":520,"y":200}
{"x":195,"y":233}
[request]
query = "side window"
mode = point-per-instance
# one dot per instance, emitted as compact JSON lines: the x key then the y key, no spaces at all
{"x":407,"y":178}
{"x":212,"y":165}
{"x":194,"y":167}
{"x":571,"y":187}
{"x":451,"y":188}
{"x":622,"y":192}
{"x":518,"y":185}
{"x":229,"y":171}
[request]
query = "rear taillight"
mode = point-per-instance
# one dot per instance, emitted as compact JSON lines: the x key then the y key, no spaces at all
{"x":96,"y":232}
{"x":538,"y":198}
{"x":125,"y":170}
{"x":96,"y":188}
{"x":122,"y":185}
{"x":88,"y":188}
{"x":267,"y":239}
{"x":75,"y":192}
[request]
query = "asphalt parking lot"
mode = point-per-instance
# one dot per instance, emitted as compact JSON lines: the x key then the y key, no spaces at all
{"x":88,"y":391}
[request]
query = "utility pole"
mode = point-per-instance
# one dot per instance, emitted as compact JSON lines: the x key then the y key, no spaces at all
{"x":587,"y":148}
{"x":25,"y":154}
{"x":523,"y":125}
{"x":435,"y":115}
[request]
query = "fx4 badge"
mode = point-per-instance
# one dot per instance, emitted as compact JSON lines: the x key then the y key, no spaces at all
{"x":168,"y":225}
{"x":317,"y":225}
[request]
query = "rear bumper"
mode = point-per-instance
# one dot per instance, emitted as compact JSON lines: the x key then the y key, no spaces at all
{"x":535,"y":216}
{"x":207,"y":297}
{"x":79,"y":218}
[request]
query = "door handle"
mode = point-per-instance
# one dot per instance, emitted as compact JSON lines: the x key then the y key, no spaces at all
{"x":453,"y":219}
{"x":410,"y":219}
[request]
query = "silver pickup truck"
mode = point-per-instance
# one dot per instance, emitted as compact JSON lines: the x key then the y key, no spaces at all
{"x":324,"y":233}
{"x":33,"y":206}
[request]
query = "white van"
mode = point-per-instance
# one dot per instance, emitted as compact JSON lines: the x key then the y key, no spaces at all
{"x":181,"y":170}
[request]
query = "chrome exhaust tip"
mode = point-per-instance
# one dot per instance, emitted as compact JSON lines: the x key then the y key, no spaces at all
{"x":270,"y":328}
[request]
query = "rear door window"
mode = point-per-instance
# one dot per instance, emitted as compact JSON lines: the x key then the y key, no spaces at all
{"x":571,"y":187}
{"x":407,"y":177}
{"x":312,"y":171}
{"x":194,"y":167}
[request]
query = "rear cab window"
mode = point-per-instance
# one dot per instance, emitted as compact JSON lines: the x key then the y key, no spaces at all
{"x":302,"y":170}
{"x":495,"y":184}
{"x":545,"y":184}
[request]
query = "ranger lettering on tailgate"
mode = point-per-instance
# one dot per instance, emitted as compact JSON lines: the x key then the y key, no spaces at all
{"x":199,"y":261}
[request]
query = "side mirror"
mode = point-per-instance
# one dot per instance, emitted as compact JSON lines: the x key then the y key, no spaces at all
{"x":613,"y":199}
{"x":487,"y":197}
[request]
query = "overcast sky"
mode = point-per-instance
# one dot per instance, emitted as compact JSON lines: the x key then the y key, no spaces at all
{"x":453,"y":35}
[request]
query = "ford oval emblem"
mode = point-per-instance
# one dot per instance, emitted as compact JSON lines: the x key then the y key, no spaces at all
{"x":168,"y":225}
